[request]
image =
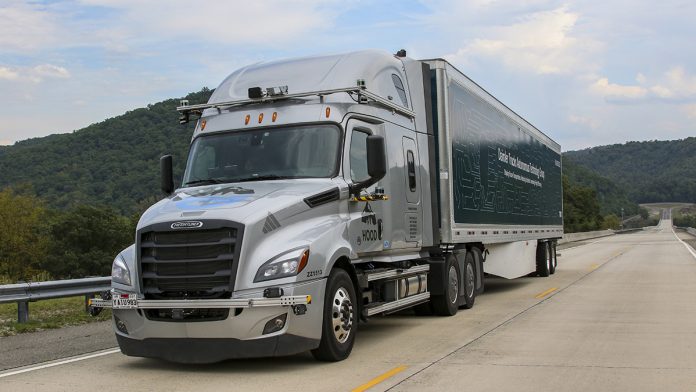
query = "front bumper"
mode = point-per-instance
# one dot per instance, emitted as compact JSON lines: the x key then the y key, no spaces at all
{"x":204,"y":350}
{"x":240,"y":335}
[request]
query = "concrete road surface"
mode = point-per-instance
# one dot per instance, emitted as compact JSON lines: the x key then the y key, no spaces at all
{"x":618,"y":315}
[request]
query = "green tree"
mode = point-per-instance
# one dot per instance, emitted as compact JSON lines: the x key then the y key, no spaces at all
{"x":581,"y":210}
{"x":85,"y":241}
{"x":611,"y":221}
{"x":23,"y":240}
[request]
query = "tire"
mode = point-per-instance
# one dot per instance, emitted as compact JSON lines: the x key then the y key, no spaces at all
{"x":478,"y":262}
{"x":469,"y":275}
{"x":542,"y":259}
{"x":340,"y":321}
{"x":447,"y":304}
{"x":552,"y":265}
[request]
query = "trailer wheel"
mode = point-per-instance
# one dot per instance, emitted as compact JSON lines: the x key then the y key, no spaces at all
{"x":543,"y":260}
{"x":551,"y":251}
{"x":469,"y":294}
{"x":340,"y":321}
{"x":447,"y":304}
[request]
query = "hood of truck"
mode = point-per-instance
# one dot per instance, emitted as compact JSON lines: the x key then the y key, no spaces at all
{"x":234,"y":201}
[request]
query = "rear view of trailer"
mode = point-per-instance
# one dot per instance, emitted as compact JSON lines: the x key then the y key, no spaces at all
{"x":499,"y":176}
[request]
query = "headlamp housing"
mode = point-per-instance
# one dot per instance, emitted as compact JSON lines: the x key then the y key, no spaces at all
{"x":286,"y":264}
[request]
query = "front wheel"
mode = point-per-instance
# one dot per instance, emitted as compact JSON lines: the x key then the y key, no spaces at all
{"x":340,"y":322}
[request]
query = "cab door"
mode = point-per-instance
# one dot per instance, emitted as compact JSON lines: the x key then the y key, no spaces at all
{"x":370,"y":226}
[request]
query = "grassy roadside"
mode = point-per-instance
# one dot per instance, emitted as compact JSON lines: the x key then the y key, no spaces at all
{"x":48,"y":314}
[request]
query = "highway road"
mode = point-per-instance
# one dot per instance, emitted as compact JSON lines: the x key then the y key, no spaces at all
{"x":619,"y":314}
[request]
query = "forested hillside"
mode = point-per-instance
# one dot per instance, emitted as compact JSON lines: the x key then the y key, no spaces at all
{"x":114,"y":162}
{"x":652,"y":171}
{"x":611,"y":197}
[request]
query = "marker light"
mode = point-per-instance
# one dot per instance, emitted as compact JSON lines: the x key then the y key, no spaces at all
{"x":247,"y":119}
{"x":260,"y":118}
{"x":203,"y":122}
{"x":274,"y":116}
{"x":328,"y":112}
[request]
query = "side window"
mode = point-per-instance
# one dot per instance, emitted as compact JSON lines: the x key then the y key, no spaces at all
{"x":358,"y":156}
{"x":400,"y":89}
{"x":411,"y":167}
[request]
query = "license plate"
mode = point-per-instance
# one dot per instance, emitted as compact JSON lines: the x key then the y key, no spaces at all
{"x":123,"y":302}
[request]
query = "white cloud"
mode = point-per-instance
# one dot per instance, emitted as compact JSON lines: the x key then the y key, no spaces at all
{"x":51,"y":71}
{"x":674,"y":85}
{"x":8,"y":73}
{"x":227,"y":22}
{"x":34,"y":74}
{"x":582,"y":120}
{"x":540,"y":42}
{"x":612,"y":90}
{"x":27,"y":26}
{"x":689,"y":110}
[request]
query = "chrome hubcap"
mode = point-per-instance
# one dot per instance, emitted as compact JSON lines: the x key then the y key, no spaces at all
{"x":453,"y":289}
{"x":469,"y":281}
{"x":341,"y":315}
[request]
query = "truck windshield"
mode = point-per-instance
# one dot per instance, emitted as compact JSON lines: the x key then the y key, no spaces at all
{"x":265,"y":154}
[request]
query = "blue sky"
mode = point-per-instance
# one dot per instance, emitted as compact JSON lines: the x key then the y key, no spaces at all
{"x":586,"y":73}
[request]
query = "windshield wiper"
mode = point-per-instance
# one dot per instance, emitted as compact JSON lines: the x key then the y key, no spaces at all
{"x":263,"y":178}
{"x":205,"y":181}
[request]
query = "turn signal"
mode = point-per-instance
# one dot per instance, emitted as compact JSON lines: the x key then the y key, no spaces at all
{"x":303,"y":261}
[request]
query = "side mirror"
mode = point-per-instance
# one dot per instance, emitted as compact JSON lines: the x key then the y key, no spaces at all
{"x":166,"y":173}
{"x":376,"y":163}
{"x":376,"y":158}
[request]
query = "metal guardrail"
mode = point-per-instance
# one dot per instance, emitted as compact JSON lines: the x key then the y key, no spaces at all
{"x":23,"y":293}
{"x":624,"y":231}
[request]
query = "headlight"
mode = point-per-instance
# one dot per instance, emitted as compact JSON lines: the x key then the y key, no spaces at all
{"x":120,"y":272}
{"x":285,"y":264}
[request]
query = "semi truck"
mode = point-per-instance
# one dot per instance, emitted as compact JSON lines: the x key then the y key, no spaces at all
{"x":320,"y":192}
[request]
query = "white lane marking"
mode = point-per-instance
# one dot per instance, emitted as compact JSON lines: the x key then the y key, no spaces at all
{"x":684,"y":243}
{"x":63,"y":362}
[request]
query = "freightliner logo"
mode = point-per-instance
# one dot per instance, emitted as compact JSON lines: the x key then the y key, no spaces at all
{"x":187,"y":225}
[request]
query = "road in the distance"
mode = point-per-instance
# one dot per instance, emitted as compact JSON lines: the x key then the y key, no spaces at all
{"x":619,"y":314}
